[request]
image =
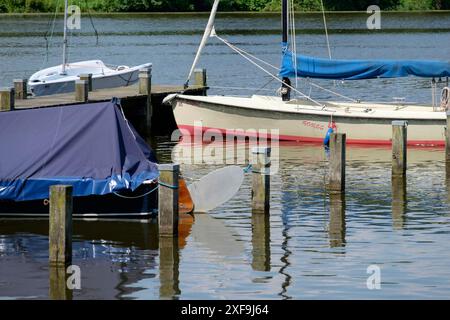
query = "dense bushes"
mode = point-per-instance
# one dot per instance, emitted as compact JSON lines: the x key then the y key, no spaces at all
{"x":226,"y":5}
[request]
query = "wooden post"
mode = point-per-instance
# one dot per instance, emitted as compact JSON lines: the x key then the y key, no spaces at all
{"x":145,"y":81}
{"x":60,"y":231}
{"x":168,"y":200}
{"x":6,"y":99}
{"x":20,"y":88}
{"x":447,"y":146}
{"x":81,"y":91}
{"x":200,"y":79}
{"x":261,"y":242}
{"x":399,"y":142}
{"x":145,"y":88}
{"x":261,"y":180}
{"x":87,"y":77}
{"x":337,"y":227}
{"x":336,"y":181}
{"x":169,"y":262}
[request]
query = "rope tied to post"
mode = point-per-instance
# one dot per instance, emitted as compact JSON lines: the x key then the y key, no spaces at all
{"x":168,"y":185}
{"x":445,"y":97}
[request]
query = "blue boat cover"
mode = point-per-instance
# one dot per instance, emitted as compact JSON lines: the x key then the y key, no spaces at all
{"x":309,"y":67}
{"x":90,"y":146}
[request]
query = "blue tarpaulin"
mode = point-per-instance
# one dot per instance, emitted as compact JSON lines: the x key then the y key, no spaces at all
{"x":90,"y":146}
{"x":309,"y":67}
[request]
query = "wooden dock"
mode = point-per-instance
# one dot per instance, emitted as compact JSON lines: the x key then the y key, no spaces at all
{"x":142,"y":102}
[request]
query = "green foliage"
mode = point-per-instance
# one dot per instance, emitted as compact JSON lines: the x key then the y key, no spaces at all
{"x":226,"y":5}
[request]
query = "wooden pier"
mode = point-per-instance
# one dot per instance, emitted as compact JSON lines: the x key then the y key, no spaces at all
{"x":143,"y":108}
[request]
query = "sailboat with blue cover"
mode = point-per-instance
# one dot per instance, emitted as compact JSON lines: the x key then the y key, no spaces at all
{"x":306,"y":119}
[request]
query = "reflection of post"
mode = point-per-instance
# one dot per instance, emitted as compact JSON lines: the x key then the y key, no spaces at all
{"x":169,"y":260}
{"x":261,"y":242}
{"x":447,"y":147}
{"x":399,"y":202}
{"x":58,"y":283}
{"x":336,"y":229}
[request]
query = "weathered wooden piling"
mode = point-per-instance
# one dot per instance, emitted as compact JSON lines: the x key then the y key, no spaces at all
{"x":81,"y":91}
{"x":145,"y":87}
{"x":168,"y":200}
{"x":337,"y":225}
{"x":261,"y":242}
{"x":399,"y":148}
{"x":261,"y":180}
{"x":169,"y":264}
{"x":87,"y":77}
{"x":60,"y":228}
{"x":20,"y":89}
{"x":6,"y":99}
{"x":336,"y":182}
{"x":200,"y":79}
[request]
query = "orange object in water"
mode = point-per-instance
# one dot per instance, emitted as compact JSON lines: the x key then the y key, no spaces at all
{"x":186,"y":205}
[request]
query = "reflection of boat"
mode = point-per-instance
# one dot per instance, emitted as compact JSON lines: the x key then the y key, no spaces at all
{"x":306,"y":119}
{"x":61,"y":79}
{"x":91,"y":147}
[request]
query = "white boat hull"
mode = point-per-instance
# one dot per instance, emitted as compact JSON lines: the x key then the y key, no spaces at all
{"x":49,"y":81}
{"x":301,"y":121}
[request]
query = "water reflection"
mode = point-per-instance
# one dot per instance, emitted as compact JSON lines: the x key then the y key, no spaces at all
{"x":58,"y":289}
{"x":261,"y":242}
{"x":336,"y":227}
{"x":399,"y":202}
{"x":169,"y":264}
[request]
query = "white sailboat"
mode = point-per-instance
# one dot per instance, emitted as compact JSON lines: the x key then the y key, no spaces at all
{"x":309,"y":120}
{"x":61,"y":79}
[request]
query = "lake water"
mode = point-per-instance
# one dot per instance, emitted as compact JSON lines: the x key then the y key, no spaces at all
{"x":312,"y":246}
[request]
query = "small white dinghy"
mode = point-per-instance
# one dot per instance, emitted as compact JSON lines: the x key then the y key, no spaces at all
{"x":52,"y":81}
{"x":61,"y":79}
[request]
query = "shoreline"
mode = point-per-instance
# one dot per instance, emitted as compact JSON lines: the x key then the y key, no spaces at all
{"x":93,"y":13}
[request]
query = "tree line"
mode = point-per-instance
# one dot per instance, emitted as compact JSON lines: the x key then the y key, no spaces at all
{"x":24,"y":6}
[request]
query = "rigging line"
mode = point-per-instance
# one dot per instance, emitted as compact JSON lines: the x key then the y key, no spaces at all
{"x":326,"y":28}
{"x":331,"y":91}
{"x":92,"y":21}
{"x":267,"y":72}
{"x":256,"y":58}
{"x":294,"y":39}
{"x":51,"y":28}
{"x":278,"y":69}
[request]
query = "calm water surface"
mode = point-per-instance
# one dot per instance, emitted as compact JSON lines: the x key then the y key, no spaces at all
{"x":312,"y":246}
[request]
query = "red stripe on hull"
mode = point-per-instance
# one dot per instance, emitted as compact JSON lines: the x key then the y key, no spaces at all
{"x":420,"y":143}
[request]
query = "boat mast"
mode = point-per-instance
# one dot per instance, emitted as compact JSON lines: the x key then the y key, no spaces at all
{"x":286,"y":91}
{"x":66,"y":8}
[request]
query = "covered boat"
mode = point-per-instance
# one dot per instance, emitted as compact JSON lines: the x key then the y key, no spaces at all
{"x":91,"y":147}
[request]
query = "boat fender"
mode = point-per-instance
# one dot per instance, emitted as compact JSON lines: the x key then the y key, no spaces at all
{"x":168,"y":100}
{"x":331,"y":128}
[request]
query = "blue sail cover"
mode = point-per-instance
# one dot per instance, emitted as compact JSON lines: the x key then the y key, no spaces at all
{"x":309,"y":67}
{"x":90,"y":146}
